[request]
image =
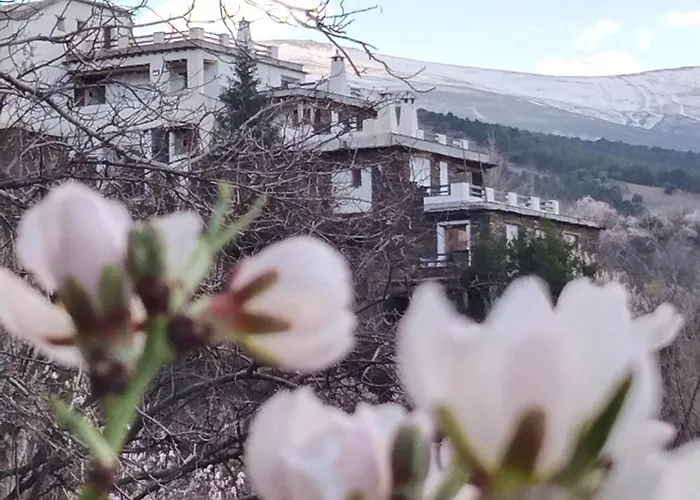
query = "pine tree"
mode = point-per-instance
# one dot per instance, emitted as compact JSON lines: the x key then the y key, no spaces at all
{"x":246,"y":111}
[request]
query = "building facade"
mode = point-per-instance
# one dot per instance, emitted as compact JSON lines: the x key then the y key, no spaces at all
{"x":156,"y":95}
{"x":378,"y":136}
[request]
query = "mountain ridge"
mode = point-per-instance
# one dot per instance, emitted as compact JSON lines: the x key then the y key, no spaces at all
{"x":653,"y":108}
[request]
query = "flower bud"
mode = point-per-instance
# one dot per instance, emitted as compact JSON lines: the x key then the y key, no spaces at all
{"x":290,"y":305}
{"x":300,"y":449}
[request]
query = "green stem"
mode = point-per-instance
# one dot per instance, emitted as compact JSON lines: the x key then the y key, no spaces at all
{"x":84,"y":430}
{"x":122,"y":408}
{"x":452,"y":482}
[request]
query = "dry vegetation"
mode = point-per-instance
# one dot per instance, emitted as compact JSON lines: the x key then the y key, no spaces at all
{"x":187,"y":442}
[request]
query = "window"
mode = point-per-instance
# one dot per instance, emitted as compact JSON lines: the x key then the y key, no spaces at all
{"x":184,"y":141}
{"x":160,"y":145}
{"x":322,"y":121}
{"x":60,"y":23}
{"x":178,"y":78}
{"x":572,"y":239}
{"x":89,"y":92}
{"x":294,"y":117}
{"x":356,"y":177}
{"x":288,"y":81}
{"x":108,"y":36}
{"x":456,"y":238}
{"x":511,"y":232}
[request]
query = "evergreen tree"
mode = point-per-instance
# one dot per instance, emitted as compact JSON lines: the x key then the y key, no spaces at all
{"x":246,"y":111}
{"x":496,"y":262}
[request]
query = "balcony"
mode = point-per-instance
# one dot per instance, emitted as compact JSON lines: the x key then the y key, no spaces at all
{"x":460,"y":195}
{"x":446,"y":266}
{"x":222,"y":41}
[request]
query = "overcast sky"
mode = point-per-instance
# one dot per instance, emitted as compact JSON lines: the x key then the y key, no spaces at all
{"x":575,"y":37}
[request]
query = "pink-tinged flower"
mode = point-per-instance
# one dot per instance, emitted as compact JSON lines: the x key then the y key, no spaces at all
{"x":74,"y":232}
{"x":29,"y":316}
{"x":300,"y":449}
{"x":291,"y":304}
{"x":564,"y":363}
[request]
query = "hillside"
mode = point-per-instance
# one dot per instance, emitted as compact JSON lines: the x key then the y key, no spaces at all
{"x":570,"y":168}
{"x":657,"y":108}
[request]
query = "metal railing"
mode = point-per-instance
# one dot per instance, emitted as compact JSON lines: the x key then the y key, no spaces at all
{"x":460,"y":258}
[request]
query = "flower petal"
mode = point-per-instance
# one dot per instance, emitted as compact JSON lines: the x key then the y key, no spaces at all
{"x":522,"y":307}
{"x":660,"y":327}
{"x":181,"y":232}
{"x":308,"y":351}
{"x":598,"y":319}
{"x":265,"y":434}
{"x":423,"y":343}
{"x":30,"y":316}
{"x":307,"y":267}
{"x":680,"y":479}
{"x":73,"y":232}
{"x":31,"y":250}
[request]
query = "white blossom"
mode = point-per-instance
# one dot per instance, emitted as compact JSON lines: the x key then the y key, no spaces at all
{"x":74,"y":232}
{"x":644,"y":470}
{"x":30,"y":316}
{"x":300,"y":449}
{"x":292,"y":303}
{"x":565,"y":362}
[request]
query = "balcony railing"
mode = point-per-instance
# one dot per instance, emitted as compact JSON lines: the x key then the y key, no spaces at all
{"x":458,"y":193}
{"x":160,"y":37}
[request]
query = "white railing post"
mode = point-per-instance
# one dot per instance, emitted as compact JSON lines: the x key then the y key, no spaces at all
{"x":159,"y":37}
{"x":225,"y":39}
{"x":490,"y":194}
{"x":420,"y":134}
{"x":555,"y":206}
{"x":123,"y":42}
{"x":196,"y":34}
{"x":535,"y":203}
{"x":512,"y":199}
{"x":441,"y":138}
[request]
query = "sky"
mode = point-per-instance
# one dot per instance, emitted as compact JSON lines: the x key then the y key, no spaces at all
{"x":556,"y":37}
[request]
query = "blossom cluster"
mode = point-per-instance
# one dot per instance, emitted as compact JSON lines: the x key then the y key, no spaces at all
{"x":539,"y":397}
{"x":291,"y":303}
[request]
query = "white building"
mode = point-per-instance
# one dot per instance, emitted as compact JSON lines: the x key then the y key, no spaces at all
{"x":103,"y":79}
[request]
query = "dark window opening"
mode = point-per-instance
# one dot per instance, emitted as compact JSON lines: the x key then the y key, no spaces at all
{"x":356,"y":177}
{"x":108,"y":36}
{"x":160,"y":145}
{"x":90,"y":91}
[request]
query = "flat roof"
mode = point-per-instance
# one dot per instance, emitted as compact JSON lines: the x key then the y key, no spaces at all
{"x":393,"y":139}
{"x":319,"y":93}
{"x":487,"y":206}
{"x":22,"y":10}
{"x":170,"y":46}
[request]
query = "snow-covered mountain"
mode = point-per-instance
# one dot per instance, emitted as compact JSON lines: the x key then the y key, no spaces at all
{"x":660,"y":108}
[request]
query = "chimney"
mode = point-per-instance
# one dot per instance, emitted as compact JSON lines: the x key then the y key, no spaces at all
{"x":338,"y":78}
{"x":408,"y":117}
{"x":386,"y":119}
{"x":243,"y":37}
